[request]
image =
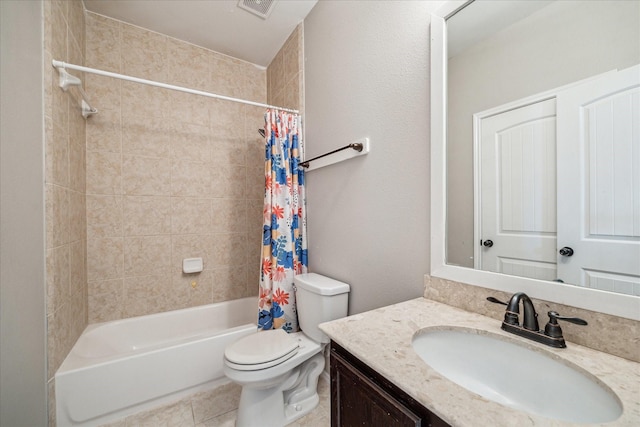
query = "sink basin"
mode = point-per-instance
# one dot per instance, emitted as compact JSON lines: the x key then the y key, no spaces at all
{"x":516,"y":376}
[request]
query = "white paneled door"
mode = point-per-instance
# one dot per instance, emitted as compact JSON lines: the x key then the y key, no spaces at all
{"x":517,"y":165}
{"x":599,"y":182}
{"x":559,"y":186}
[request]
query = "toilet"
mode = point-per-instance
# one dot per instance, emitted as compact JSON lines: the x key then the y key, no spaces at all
{"x":279,"y":371}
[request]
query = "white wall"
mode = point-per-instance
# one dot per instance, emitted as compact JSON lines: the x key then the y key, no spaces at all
{"x":23,"y":399}
{"x":366,"y":75}
{"x":562,"y":43}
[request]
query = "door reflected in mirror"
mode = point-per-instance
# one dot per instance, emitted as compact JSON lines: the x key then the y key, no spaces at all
{"x":543,"y":141}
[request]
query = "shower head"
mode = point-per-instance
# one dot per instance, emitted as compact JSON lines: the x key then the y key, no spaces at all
{"x":261,"y":132}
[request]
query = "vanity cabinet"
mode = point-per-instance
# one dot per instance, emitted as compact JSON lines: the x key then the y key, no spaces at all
{"x":362,"y":397}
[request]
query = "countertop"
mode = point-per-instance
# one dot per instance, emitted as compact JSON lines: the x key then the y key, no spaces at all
{"x":381,"y":338}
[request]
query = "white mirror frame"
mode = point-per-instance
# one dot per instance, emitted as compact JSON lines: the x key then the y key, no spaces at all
{"x":590,"y":299}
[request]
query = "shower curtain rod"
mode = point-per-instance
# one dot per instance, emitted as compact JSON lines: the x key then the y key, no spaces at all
{"x":62,"y":66}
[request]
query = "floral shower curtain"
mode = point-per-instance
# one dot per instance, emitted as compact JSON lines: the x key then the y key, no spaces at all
{"x":284,"y":250}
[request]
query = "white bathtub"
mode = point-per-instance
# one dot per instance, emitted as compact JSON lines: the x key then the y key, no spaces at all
{"x":122,"y":367}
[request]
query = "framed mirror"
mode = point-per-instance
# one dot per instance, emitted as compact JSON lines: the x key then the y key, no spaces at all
{"x":500,"y":69}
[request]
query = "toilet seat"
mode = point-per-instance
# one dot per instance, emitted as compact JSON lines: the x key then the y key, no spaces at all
{"x":261,"y":350}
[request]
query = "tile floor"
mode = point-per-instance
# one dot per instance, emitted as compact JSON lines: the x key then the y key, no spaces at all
{"x":186,"y":412}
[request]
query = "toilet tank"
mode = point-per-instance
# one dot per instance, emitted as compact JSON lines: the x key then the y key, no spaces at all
{"x":319,"y":299}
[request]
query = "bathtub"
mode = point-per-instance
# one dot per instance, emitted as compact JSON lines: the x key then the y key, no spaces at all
{"x":125,"y":366}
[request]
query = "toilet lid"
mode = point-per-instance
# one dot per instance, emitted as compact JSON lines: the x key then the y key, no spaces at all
{"x":266,"y":347}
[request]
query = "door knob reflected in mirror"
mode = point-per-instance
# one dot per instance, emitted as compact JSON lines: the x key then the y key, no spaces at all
{"x":487,"y":243}
{"x":566,"y":251}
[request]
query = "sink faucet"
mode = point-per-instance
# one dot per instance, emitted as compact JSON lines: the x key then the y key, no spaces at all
{"x":552,"y":334}
{"x":512,"y":314}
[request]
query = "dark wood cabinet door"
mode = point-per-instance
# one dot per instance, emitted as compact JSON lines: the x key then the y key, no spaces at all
{"x":359,"y":401}
{"x":362,"y":397}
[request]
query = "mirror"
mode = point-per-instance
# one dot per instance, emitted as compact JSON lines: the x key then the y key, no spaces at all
{"x":506,"y":57}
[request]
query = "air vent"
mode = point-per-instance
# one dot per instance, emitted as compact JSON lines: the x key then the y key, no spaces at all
{"x":262,"y":8}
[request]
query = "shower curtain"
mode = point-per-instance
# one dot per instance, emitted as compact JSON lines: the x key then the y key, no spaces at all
{"x":284,"y":250}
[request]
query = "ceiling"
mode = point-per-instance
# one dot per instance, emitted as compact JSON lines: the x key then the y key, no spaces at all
{"x":219,"y":25}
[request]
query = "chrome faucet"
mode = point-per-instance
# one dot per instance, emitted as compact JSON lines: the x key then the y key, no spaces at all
{"x":552,"y":334}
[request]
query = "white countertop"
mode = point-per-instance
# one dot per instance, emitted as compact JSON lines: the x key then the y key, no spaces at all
{"x":382,"y":339}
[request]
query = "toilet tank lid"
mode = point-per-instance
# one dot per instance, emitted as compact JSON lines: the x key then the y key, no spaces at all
{"x":319,"y":284}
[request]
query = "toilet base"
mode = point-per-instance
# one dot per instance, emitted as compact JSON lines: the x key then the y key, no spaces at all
{"x":284,"y":403}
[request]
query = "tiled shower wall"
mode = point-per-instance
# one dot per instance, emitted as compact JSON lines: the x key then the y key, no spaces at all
{"x":170,"y":175}
{"x":284,"y":75}
{"x":65,"y":186}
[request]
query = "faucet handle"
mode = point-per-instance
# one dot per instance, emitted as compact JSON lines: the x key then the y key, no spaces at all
{"x":497,"y":301}
{"x":552,"y":329}
{"x":553,"y":315}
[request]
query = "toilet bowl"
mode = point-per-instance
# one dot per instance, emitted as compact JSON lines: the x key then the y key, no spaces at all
{"x":279,"y":371}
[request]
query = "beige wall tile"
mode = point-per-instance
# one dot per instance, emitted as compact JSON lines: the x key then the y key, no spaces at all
{"x":77,"y":216}
{"x":276,"y":74}
{"x":101,"y":287}
{"x":229,"y":181}
{"x":77,"y":267}
{"x":228,"y":151}
{"x":229,"y":249}
{"x":145,"y":54}
{"x":229,"y":215}
{"x":224,"y":74}
{"x":226,"y":120}
{"x":188,"y":108}
{"x":104,"y":173}
{"x":105,"y":90}
{"x":230,"y":283}
{"x":195,"y":75}
{"x":255,"y":216}
{"x":105,"y":307}
{"x":166,"y":173}
{"x":51,"y":403}
{"x":104,"y":216}
{"x":59,"y":104}
{"x":57,"y":37}
{"x":202,"y":293}
{"x":145,"y":136}
{"x":291,"y":55}
{"x":145,"y":176}
{"x":103,"y":43}
{"x":65,"y":168}
{"x":145,"y":255}
{"x":292,"y":94}
{"x":147,"y":215}
{"x":255,"y":84}
{"x":57,"y":215}
{"x":104,"y":132}
{"x":192,"y":246}
{"x":190,"y":215}
{"x":76,"y":21}
{"x":144,"y":101}
{"x":77,"y":167}
{"x":58,"y":277}
{"x":191,"y":179}
{"x":255,"y":183}
{"x":57,"y":154}
{"x":141,"y":287}
{"x":190,"y":142}
{"x":105,"y":258}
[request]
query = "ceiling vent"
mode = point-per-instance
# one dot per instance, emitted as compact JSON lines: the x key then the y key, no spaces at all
{"x":262,"y":8}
